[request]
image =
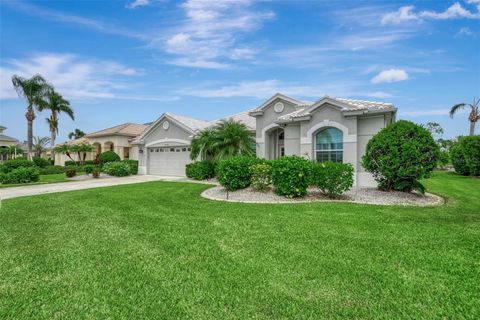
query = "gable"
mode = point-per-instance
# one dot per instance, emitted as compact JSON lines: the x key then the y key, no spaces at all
{"x":167,"y":128}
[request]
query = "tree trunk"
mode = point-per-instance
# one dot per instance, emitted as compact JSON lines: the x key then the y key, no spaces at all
{"x":52,"y":144}
{"x":472,"y":128}
{"x":30,"y":115}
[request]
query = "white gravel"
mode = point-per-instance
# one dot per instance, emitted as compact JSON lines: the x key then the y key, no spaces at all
{"x":356,"y":195}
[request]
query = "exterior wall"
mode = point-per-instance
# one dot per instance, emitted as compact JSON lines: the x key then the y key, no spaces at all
{"x":292,"y":140}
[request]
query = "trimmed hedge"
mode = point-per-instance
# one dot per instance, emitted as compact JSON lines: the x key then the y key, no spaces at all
{"x":332,"y":178}
{"x":20,"y":175}
{"x":70,"y":163}
{"x":10,"y":165}
{"x":261,"y":176}
{"x":291,"y":176}
{"x":133,"y":166}
{"x":200,"y":170}
{"x":108,"y":156}
{"x":471,"y":150}
{"x":71,"y":172}
{"x":51,"y":170}
{"x":41,"y":162}
{"x":117,"y":169}
{"x":235,"y":173}
{"x":458,"y":160}
{"x":400,"y":155}
{"x":88,"y":168}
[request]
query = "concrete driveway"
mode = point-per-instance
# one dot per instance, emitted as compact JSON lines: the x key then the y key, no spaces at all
{"x":31,"y":190}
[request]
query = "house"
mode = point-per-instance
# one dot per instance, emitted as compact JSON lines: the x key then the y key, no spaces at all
{"x":7,"y":142}
{"x":332,"y":129}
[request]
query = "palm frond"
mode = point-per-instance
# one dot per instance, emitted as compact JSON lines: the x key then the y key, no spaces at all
{"x":456,"y":108}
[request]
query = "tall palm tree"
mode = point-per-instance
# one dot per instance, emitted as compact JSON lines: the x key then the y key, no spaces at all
{"x":203,"y":145}
{"x":40,"y":145}
{"x":233,"y":138}
{"x":474,"y":113}
{"x":77,"y":133}
{"x":34,"y":91}
{"x":56,"y":104}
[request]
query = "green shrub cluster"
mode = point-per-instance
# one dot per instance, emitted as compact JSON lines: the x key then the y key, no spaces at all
{"x":117,"y":169}
{"x":133,"y":166}
{"x":200,"y":170}
{"x":51,"y":170}
{"x":71,"y":172}
{"x":20,"y":175}
{"x":70,"y":163}
{"x":261,"y":176}
{"x":108,"y":156}
{"x":235,"y":173}
{"x":291,"y":176}
{"x":88,"y":168}
{"x":10,"y":165}
{"x":465,"y":156}
{"x":332,"y":178}
{"x":400,"y":155}
{"x":41,"y":162}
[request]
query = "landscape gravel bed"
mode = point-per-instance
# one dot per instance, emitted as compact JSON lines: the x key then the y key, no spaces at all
{"x":357,"y":195}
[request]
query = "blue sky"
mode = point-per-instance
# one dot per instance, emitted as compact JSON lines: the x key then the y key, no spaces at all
{"x":130,"y":61}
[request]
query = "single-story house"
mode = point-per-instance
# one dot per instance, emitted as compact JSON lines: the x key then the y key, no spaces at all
{"x":332,"y":129}
{"x":7,"y":142}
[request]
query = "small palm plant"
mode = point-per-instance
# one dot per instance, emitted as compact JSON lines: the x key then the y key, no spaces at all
{"x":40,"y":145}
{"x":233,"y":139}
{"x":474,"y":115}
{"x":203,"y":145}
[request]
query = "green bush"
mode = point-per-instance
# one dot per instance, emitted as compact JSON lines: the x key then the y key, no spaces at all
{"x":13,"y":164}
{"x":443,"y":159}
{"x":70,"y":172}
{"x":40,"y":162}
{"x":400,"y":155}
{"x":261,"y":176}
{"x":51,"y":170}
{"x":234,"y":173}
{"x":133,"y":166}
{"x":291,"y":176}
{"x":200,"y":170}
{"x":21,"y":175}
{"x":333,"y":178}
{"x":70,"y":163}
{"x":96,"y":172}
{"x":108,"y":156}
{"x":117,"y":169}
{"x":88,"y":168}
{"x":458,"y":160}
{"x":471,"y":151}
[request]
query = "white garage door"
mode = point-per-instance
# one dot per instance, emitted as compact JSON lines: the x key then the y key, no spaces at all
{"x":168,"y":161}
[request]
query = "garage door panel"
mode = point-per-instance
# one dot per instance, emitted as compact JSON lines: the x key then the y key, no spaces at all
{"x":163,"y":161}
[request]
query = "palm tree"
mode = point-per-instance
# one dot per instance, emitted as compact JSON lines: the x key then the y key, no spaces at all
{"x":40,"y":145}
{"x":56,"y":104}
{"x":65,"y":149}
{"x":203,"y":145}
{"x":81,"y":150}
{"x":76,"y":134}
{"x":34,"y":91}
{"x":233,"y":138}
{"x":474,"y":113}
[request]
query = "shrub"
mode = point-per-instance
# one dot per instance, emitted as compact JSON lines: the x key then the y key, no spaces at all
{"x":471,"y":151}
{"x":261,"y":176}
{"x":21,"y":175}
{"x":13,"y":164}
{"x":458,"y":160}
{"x":133,"y":166}
{"x":443,"y":159}
{"x":291,"y":176}
{"x":70,"y":172}
{"x":51,"y":170}
{"x":200,"y":170}
{"x":234,"y":173}
{"x":40,"y":162}
{"x":96,"y":172}
{"x":400,"y":155}
{"x":70,"y":163}
{"x":332,"y":178}
{"x":108,"y":156}
{"x":88,"y":168}
{"x":117,"y":169}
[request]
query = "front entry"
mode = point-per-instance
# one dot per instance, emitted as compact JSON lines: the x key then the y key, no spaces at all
{"x":168,"y":161}
{"x":276,"y":143}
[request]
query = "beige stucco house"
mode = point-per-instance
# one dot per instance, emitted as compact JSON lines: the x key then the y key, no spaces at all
{"x":6,"y":142}
{"x":330,"y":129}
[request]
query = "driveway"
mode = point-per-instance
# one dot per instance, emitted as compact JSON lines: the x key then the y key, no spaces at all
{"x":22,"y":191}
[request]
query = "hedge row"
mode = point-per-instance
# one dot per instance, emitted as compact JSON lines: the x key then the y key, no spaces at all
{"x":20,"y":175}
{"x":465,"y":156}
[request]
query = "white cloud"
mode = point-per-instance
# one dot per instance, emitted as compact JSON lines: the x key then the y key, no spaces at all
{"x":137,"y":3}
{"x":72,"y":76}
{"x":209,"y":36}
{"x":406,"y":13}
{"x":465,"y":31}
{"x":390,"y":75}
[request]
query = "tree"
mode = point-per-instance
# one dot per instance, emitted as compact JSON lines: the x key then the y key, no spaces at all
{"x":40,"y":145}
{"x":81,"y":150}
{"x":56,"y":104}
{"x":474,"y":115}
{"x":434,"y":128}
{"x":64,"y":149}
{"x":33,"y":90}
{"x":203,"y":145}
{"x":76,"y":134}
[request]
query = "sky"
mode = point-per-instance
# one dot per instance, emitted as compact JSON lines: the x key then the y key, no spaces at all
{"x":131,"y":60}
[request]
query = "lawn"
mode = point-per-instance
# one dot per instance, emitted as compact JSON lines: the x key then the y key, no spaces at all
{"x":159,"y":250}
{"x":48,"y":178}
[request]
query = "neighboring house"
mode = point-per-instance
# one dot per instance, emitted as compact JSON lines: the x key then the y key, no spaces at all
{"x":6,"y":141}
{"x":331,"y":129}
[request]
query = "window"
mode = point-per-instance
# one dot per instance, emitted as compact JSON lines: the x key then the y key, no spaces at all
{"x":184,"y":149}
{"x":329,"y":145}
{"x":162,"y":150}
{"x":172,"y":149}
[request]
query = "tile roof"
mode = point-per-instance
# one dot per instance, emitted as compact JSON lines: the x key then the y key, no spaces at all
{"x":243,"y":117}
{"x":193,"y":124}
{"x":126,"y":129}
{"x":7,"y":138}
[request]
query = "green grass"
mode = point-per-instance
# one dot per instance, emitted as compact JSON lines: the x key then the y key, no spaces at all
{"x":44,"y":179}
{"x":159,"y":250}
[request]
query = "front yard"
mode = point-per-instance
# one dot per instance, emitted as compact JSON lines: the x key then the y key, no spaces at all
{"x":44,"y":179}
{"x":159,"y":250}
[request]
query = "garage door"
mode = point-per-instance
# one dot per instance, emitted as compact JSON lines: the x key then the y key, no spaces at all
{"x":168,"y":161}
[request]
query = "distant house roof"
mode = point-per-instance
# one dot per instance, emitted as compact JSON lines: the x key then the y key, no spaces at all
{"x":126,"y":129}
{"x":7,"y":138}
{"x":193,"y":124}
{"x":243,"y":117}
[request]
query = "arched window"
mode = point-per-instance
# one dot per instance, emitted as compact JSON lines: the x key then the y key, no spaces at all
{"x":329,"y":145}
